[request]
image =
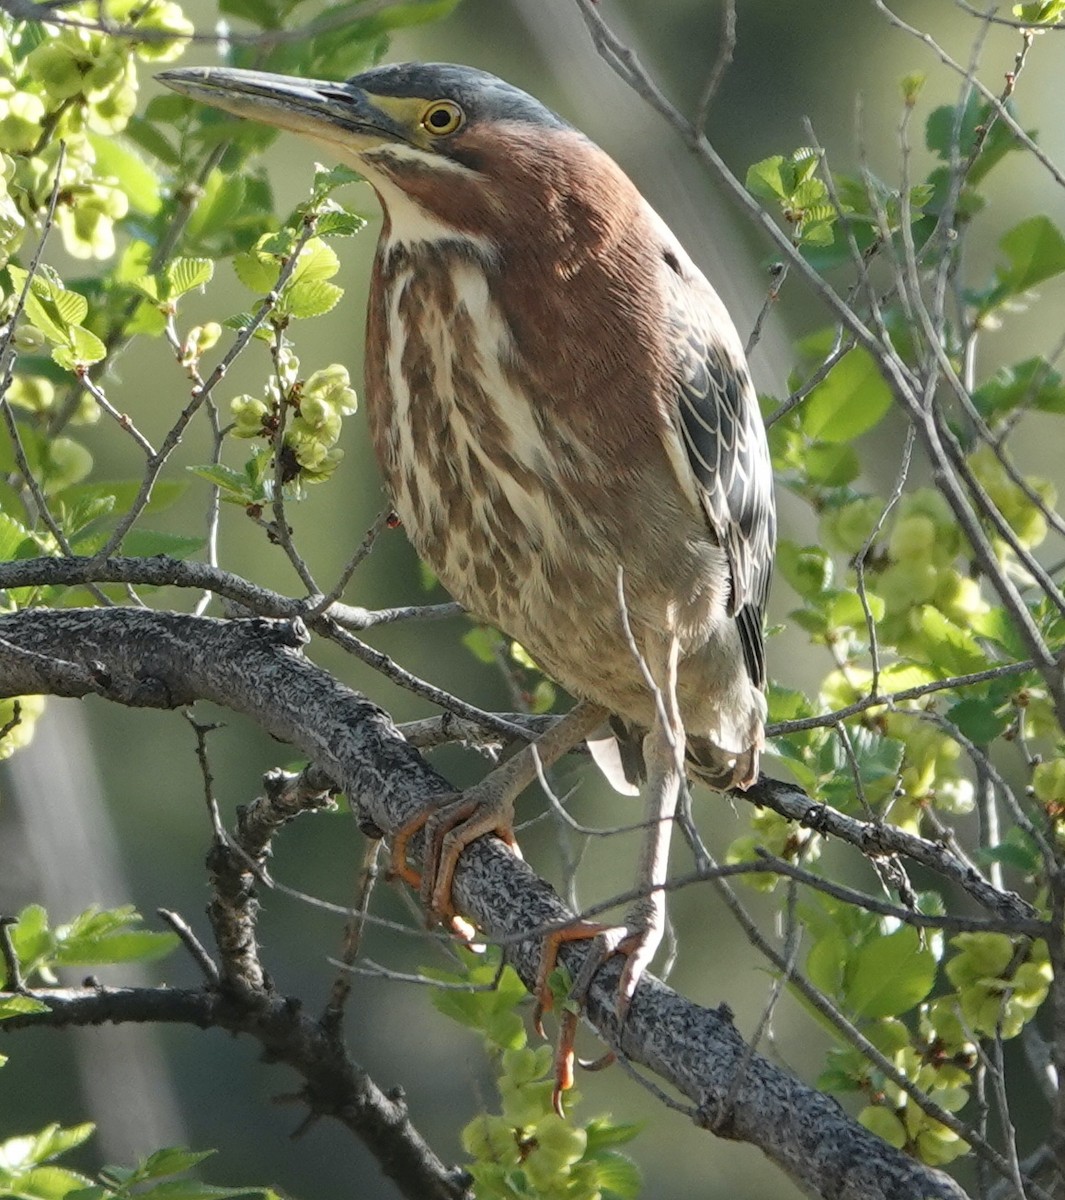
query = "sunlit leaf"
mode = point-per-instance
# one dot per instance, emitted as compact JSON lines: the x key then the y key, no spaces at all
{"x":851,"y":399}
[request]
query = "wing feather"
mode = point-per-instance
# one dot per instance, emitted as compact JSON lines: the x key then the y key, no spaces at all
{"x":723,"y":435}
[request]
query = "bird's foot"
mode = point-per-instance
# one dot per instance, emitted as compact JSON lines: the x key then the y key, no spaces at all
{"x":637,"y":939}
{"x":448,"y":829}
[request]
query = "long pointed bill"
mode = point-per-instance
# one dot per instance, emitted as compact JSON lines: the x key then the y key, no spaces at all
{"x":338,"y":114}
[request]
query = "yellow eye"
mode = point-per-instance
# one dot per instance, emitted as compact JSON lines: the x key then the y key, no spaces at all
{"x":442,"y":117}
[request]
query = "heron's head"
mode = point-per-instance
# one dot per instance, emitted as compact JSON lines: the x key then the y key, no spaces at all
{"x":465,"y":147}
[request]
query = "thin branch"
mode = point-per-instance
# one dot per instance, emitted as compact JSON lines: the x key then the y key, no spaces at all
{"x":193,"y":945}
{"x":722,"y":62}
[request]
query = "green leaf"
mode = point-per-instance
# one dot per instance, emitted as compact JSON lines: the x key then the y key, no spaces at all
{"x":978,"y":720}
{"x":106,"y":936}
{"x":255,"y":273}
{"x":766,"y":179}
{"x":618,"y":1175}
{"x":18,"y":1006}
{"x":145,"y":543}
{"x":266,"y":14}
{"x":1036,"y":251}
{"x":1022,"y":857}
{"x":951,"y":649}
{"x":1032,"y":383}
{"x":12,"y":536}
{"x":309,"y":298}
{"x":850,"y":400}
{"x":72,"y":307}
{"x":150,"y":138}
{"x":484,"y":642}
{"x":87,"y":347}
{"x":317,"y":260}
{"x":221,"y":201}
{"x":846,"y":610}
{"x":137,"y":946}
{"x":890,"y":975}
{"x":328,"y":178}
{"x":139,"y":182}
{"x":831,"y":465}
{"x":603,"y":1133}
{"x":184,"y":274}
{"x":191,"y":1189}
{"x":1040,"y":12}
{"x":809,"y":569}
{"x":224,"y":477}
{"x":339,"y":224}
{"x":48,"y":1183}
{"x":54,"y":1140}
{"x":825,"y":963}
{"x":165,"y":493}
{"x":171,"y":1161}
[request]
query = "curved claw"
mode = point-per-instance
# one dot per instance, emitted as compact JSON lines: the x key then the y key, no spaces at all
{"x":448,"y":829}
{"x":638,"y":940}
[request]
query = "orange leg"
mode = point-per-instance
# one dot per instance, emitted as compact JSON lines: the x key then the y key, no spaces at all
{"x":608,"y":940}
{"x":485,"y":808}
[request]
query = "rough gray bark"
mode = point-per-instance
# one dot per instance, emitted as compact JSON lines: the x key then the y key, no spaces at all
{"x":256,"y":667}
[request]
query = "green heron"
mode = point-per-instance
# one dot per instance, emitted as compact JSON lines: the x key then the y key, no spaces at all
{"x":562,"y":410}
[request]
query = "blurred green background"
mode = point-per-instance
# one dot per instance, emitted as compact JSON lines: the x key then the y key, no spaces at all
{"x":107,"y":805}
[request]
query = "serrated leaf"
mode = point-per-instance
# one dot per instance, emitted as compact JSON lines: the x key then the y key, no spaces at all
{"x":1022,"y":858}
{"x":846,"y":609}
{"x":172,"y":1160}
{"x":889,"y":975}
{"x":849,"y":401}
{"x":184,"y":274}
{"x":191,"y":1189}
{"x":42,"y":314}
{"x":56,"y":1140}
{"x":48,"y":1183}
{"x":87,"y":347}
{"x":147,"y":285}
{"x":223,"y":476}
{"x":12,"y":536}
{"x":72,"y":307}
{"x":254,"y":273}
{"x":133,"y":946}
{"x":617,"y":1174}
{"x":339,"y":224}
{"x":309,"y":298}
{"x":766,"y":179}
{"x":317,"y":260}
{"x":1040,"y":12}
{"x":604,"y":1133}
{"x":328,"y":178}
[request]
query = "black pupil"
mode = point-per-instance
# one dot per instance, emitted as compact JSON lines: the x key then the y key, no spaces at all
{"x":441,"y":118}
